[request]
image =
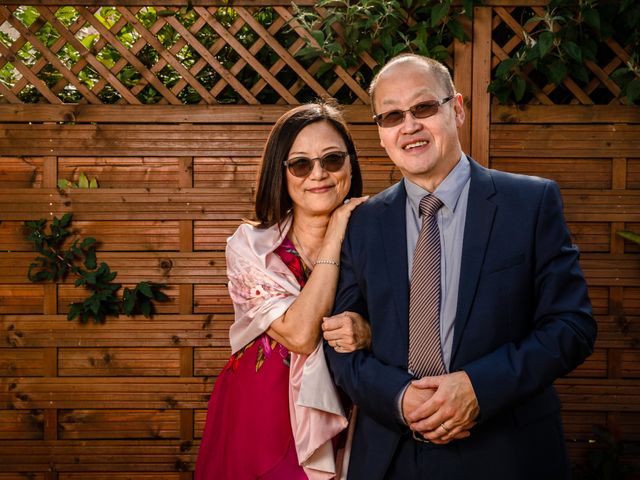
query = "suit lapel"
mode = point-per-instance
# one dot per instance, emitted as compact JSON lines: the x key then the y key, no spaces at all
{"x":393,"y":230}
{"x":478,"y":225}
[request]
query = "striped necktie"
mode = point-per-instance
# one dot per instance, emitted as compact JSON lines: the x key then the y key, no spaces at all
{"x":425,"y":351}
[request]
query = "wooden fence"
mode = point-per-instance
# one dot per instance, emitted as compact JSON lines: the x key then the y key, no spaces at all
{"x":127,"y":399}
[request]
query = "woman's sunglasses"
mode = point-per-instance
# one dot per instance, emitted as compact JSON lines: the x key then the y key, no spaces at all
{"x":303,"y":166}
{"x":420,"y":110}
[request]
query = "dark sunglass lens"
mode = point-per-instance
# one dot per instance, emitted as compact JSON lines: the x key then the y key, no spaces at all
{"x":424,"y":109}
{"x":390,"y":119}
{"x":301,"y":167}
{"x":333,"y":162}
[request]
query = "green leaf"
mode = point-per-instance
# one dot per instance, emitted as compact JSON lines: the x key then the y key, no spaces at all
{"x":318,"y":36}
{"x":592,"y":18}
{"x":83,"y":181}
{"x":88,"y":243}
{"x":628,"y":235}
{"x":579,"y":72}
{"x":158,"y":295}
{"x":573,"y":51}
{"x":324,"y":67}
{"x":129,"y":301}
{"x":468,"y":7}
{"x":145,"y":289}
{"x":557,"y":72}
{"x":633,"y":91}
{"x":456,"y":29}
{"x":519,"y":87}
{"x":505,"y":67}
{"x":74,"y":311}
{"x":308,"y":52}
{"x":439,"y":11}
{"x":90,"y":260}
{"x":545,"y":42}
{"x":145,"y":307}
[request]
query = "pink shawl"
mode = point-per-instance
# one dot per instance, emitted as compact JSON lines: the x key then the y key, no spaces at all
{"x":262,"y":288}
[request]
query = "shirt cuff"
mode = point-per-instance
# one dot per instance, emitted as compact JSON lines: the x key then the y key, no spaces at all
{"x":399,"y":404}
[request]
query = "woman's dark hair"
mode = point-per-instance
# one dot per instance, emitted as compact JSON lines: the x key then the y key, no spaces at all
{"x":272,"y":198}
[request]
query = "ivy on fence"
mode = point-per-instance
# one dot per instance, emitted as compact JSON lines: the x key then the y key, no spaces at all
{"x":57,"y":259}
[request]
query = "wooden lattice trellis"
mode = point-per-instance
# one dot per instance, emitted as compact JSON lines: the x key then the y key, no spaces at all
{"x":103,"y":68}
{"x":215,"y":54}
{"x":510,"y":28}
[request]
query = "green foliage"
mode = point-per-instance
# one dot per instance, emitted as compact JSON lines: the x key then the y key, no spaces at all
{"x":56,"y":261}
{"x":569,"y":35}
{"x":382,"y":28}
{"x":631,"y":236}
{"x":83,"y":182}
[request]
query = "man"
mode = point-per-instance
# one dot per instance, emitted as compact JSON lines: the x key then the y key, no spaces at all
{"x":510,"y":304}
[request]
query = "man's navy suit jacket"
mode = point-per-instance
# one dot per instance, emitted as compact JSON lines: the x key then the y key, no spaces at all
{"x":523,"y":320}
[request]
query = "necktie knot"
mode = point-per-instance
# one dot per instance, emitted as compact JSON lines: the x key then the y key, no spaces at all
{"x":430,"y":204}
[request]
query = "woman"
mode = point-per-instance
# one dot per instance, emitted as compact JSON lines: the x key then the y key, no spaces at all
{"x":274,"y":407}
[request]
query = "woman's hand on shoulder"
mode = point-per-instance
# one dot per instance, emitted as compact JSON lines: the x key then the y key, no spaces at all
{"x":340,"y":218}
{"x":347,"y":332}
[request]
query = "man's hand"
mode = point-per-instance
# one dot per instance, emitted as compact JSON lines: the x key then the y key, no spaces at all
{"x":449,"y":413}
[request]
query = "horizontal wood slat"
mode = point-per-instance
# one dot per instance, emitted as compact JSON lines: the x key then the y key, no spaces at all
{"x":564,"y":141}
{"x":28,"y":331}
{"x":618,"y":331}
{"x":21,"y":172}
{"x":157,"y":235}
{"x":21,"y":298}
{"x":97,"y":456}
{"x":210,"y":267}
{"x":118,"y":362}
{"x":119,"y":476}
{"x":127,"y":204}
{"x":613,"y":395}
{"x":22,"y":393}
{"x":133,"y":267}
{"x":22,"y":362}
{"x":152,"y":140}
{"x":553,"y":114}
{"x":161,"y":114}
{"x":86,"y":424}
{"x":578,"y":173}
{"x":236,"y":203}
{"x":21,"y":425}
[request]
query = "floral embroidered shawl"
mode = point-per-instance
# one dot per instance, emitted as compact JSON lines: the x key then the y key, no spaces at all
{"x":262,"y":288}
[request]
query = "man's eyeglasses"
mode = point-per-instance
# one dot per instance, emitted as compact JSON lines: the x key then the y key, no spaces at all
{"x":303,"y":166}
{"x":419,"y":110}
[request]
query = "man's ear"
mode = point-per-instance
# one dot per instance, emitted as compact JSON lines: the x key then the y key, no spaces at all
{"x":459,"y":109}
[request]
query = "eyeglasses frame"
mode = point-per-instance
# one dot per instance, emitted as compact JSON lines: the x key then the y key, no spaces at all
{"x":344,"y":155}
{"x":436,"y":103}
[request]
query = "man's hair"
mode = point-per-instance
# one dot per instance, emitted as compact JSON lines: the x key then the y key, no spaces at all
{"x":439,"y":70}
{"x":272,"y":197}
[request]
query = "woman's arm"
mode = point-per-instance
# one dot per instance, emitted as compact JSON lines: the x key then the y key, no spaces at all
{"x":299,"y":329}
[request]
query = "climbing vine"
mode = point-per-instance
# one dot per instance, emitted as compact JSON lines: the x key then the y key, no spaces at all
{"x":58,"y":258}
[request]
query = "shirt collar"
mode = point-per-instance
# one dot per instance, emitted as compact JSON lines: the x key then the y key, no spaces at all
{"x":448,"y":191}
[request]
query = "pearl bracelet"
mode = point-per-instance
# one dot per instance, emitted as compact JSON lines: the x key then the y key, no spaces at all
{"x":328,"y":262}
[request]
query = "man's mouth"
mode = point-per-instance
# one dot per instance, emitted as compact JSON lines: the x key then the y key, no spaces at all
{"x":414,"y":145}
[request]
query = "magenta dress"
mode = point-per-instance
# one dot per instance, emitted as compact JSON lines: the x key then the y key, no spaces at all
{"x":248,"y":434}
